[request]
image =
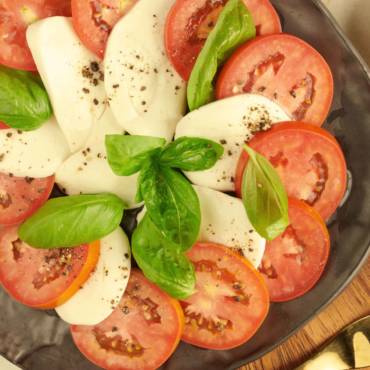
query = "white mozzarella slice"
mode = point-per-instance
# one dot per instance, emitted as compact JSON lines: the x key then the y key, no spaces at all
{"x":146,"y":94}
{"x":72,"y":76}
{"x":102,"y":292}
{"x":225,"y":221}
{"x":231,"y":122}
{"x":88,"y":172}
{"x":35,"y":153}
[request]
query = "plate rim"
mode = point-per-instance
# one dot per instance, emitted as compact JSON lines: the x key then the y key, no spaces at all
{"x":366,"y":68}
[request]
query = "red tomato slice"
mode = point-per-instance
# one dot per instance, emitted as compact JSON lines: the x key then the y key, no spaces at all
{"x":231,"y":299}
{"x":15,"y":17}
{"x":294,"y":262}
{"x":43,"y":278}
{"x":20,"y":197}
{"x":3,"y":125}
{"x":309,"y":161}
{"x":141,"y":334}
{"x":94,"y":20}
{"x":283,"y":68}
{"x":190,"y":21}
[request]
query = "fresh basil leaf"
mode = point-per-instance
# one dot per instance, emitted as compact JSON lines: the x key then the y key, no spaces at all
{"x":234,"y":26}
{"x":126,"y":154}
{"x":191,"y":154}
{"x":71,"y":221}
{"x":162,"y":261}
{"x":171,"y":202}
{"x":264,"y":196}
{"x":24,"y":102}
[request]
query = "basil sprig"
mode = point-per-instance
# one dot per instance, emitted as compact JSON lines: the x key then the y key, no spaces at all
{"x":171,"y":203}
{"x":24,"y":102}
{"x":73,"y":220}
{"x":234,"y":26}
{"x":264,"y":196}
{"x":129,"y":153}
{"x":172,"y":221}
{"x":161,"y":261}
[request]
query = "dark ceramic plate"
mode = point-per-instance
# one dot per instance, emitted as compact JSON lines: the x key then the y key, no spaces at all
{"x":40,"y":341}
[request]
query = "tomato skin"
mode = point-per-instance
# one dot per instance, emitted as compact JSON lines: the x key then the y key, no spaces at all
{"x":84,"y":20}
{"x":336,"y":183}
{"x":295,"y":273}
{"x":15,"y":17}
{"x":159,"y":337}
{"x":26,"y":196}
{"x":183,"y":52}
{"x":243,"y":309}
{"x":20,"y":266}
{"x":285,"y":69}
{"x":3,"y":126}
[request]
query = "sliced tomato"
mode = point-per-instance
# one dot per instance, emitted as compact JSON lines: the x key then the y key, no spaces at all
{"x":3,"y":126}
{"x":20,"y":197}
{"x":140,"y":334}
{"x":231,"y":299}
{"x":15,"y":17}
{"x":293,"y":262}
{"x":285,"y":69}
{"x":43,"y":278}
{"x":309,"y":161}
{"x":190,"y":21}
{"x":94,"y":20}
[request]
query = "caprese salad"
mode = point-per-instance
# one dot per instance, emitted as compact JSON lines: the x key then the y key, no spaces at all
{"x":201,"y":112}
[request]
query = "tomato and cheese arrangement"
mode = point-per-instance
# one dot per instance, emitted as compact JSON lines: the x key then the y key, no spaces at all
{"x":55,"y":274}
{"x":295,"y":260}
{"x":285,"y":69}
{"x":15,"y":17}
{"x":20,"y":196}
{"x":231,"y":299}
{"x":144,"y":329}
{"x":190,"y":22}
{"x":313,"y":168}
{"x":185,"y":138}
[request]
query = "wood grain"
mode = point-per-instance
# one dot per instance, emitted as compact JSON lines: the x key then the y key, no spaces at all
{"x":351,"y":305}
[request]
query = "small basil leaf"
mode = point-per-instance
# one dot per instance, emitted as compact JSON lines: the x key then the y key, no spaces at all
{"x":234,"y":26}
{"x":264,"y":196}
{"x":126,"y":154}
{"x":191,"y":154}
{"x":161,"y":261}
{"x":24,"y":102}
{"x":71,"y":221}
{"x":171,"y":202}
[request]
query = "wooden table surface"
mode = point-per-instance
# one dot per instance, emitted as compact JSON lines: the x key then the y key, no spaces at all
{"x":351,"y":305}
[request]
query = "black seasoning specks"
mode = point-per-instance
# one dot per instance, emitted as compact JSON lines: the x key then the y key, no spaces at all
{"x":94,"y":66}
{"x":92,"y":73}
{"x":257,"y":118}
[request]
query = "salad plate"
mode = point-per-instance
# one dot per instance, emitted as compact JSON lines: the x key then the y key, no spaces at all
{"x":39,"y":340}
